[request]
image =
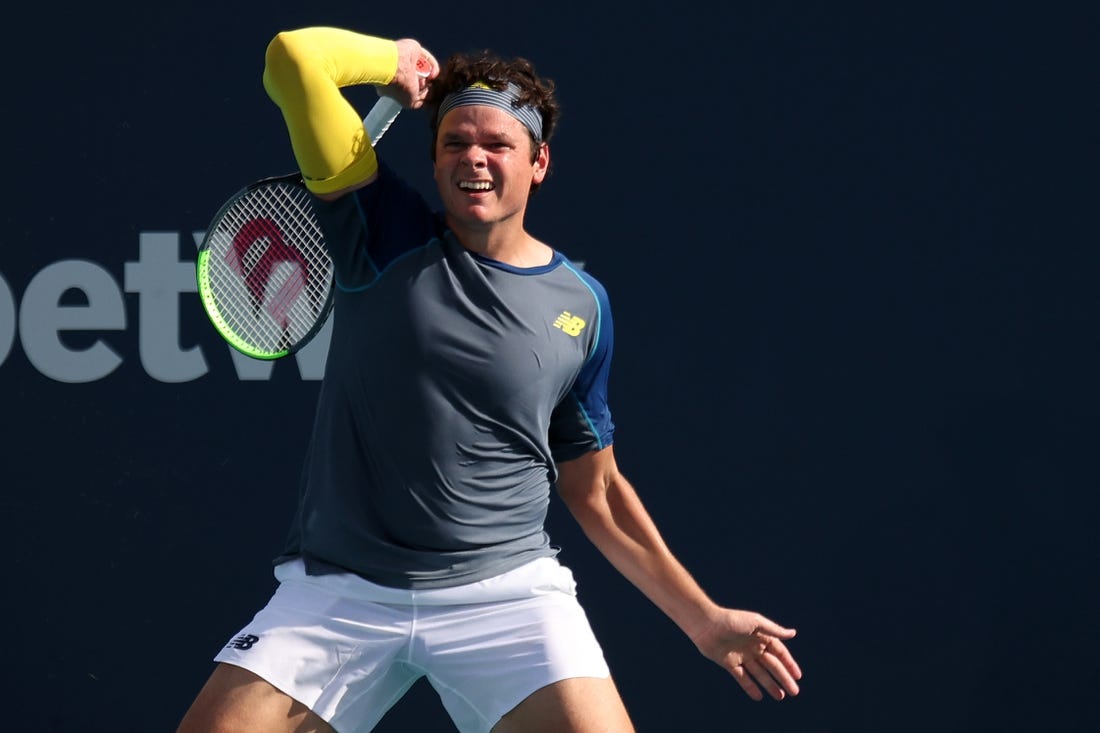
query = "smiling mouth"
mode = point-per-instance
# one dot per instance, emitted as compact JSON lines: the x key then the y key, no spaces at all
{"x":476,"y":185}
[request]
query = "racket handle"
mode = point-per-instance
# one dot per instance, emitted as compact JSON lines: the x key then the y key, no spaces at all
{"x":385,"y":110}
{"x":380,"y":117}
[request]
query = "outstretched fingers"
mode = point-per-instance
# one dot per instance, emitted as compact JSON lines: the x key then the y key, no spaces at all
{"x":752,"y":649}
{"x":747,"y":684}
{"x":789,"y":667}
{"x":770,"y":668}
{"x":777,"y":664}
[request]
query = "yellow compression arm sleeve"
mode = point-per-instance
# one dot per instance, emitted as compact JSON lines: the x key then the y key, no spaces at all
{"x":303,"y":73}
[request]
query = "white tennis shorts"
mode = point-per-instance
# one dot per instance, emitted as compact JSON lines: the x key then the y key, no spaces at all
{"x":349,"y":649}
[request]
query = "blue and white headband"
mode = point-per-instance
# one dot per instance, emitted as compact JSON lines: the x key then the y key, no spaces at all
{"x":482,"y":94}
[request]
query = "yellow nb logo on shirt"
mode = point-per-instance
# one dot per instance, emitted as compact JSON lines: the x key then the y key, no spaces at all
{"x":571,"y":324}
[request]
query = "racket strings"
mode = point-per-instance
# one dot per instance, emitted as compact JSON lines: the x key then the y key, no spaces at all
{"x":269,"y":271}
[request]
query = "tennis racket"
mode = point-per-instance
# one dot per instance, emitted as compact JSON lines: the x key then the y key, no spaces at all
{"x":264,"y":273}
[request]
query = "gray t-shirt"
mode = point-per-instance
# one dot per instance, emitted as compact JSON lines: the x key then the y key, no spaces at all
{"x":453,"y":384}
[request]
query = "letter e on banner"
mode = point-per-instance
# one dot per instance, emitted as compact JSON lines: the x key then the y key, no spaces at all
{"x":43,"y":318}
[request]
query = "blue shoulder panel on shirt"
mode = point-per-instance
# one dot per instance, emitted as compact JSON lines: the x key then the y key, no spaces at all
{"x":590,"y":388}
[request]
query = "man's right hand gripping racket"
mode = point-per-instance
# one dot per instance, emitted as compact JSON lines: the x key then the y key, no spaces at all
{"x":264,"y":273}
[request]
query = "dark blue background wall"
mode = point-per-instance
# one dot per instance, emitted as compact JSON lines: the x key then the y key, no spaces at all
{"x":852,"y":255}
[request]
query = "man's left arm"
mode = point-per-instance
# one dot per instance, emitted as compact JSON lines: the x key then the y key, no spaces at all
{"x":609,"y":511}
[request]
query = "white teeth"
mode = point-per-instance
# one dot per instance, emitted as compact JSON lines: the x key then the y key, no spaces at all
{"x":476,"y":185}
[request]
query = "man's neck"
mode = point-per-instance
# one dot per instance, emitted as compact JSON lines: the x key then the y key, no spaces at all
{"x":511,"y":245}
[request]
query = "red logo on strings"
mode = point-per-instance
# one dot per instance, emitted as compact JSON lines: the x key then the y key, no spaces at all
{"x":259,"y":275}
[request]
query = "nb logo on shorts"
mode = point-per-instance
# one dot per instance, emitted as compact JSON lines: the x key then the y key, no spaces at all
{"x":571,"y":324}
{"x":243,"y":642}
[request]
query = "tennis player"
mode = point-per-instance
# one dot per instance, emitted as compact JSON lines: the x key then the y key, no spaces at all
{"x":467,"y":376}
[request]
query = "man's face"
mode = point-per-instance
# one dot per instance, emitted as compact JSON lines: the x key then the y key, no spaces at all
{"x":483,"y":166}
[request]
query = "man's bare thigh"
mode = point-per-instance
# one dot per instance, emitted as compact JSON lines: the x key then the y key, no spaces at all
{"x":235,"y":700}
{"x":577,"y":705}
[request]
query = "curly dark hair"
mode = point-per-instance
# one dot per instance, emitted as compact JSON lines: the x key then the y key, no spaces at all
{"x":465,"y":69}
